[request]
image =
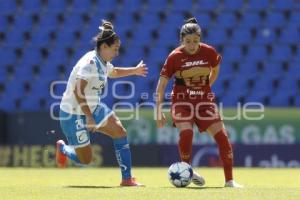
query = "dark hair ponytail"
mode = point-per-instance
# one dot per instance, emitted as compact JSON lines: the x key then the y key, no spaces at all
{"x":106,"y":34}
{"x":190,"y":26}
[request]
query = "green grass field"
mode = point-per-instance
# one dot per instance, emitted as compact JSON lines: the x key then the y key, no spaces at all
{"x":102,"y":183}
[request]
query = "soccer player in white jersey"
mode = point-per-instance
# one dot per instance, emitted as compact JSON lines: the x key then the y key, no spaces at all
{"x":82,"y":113}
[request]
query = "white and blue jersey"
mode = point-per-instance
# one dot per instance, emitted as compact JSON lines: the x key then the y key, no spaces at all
{"x":72,"y":119}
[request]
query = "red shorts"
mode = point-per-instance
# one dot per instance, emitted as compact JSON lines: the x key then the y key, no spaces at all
{"x":202,"y":114}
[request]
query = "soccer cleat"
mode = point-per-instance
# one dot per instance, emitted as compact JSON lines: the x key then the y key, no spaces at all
{"x":233,"y":184}
{"x":198,"y":179}
{"x":61,"y":159}
{"x":131,"y":182}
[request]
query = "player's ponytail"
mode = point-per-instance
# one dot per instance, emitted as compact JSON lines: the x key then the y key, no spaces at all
{"x":190,"y":26}
{"x":106,"y":35}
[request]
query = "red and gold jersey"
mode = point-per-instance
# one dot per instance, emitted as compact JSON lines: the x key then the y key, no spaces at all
{"x":191,"y":72}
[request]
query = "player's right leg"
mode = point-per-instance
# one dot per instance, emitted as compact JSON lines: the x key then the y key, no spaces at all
{"x":109,"y":124}
{"x":79,"y":148}
{"x":182,"y":116}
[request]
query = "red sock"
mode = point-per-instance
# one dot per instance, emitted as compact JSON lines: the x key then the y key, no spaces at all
{"x":185,"y":145}
{"x":225,"y":152}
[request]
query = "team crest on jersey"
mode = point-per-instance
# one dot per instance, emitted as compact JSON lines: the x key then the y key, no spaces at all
{"x":92,"y":62}
{"x":195,"y":63}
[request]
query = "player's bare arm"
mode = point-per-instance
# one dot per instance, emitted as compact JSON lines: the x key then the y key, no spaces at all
{"x":139,"y":70}
{"x":81,"y":98}
{"x":214,"y":74}
{"x":160,"y":91}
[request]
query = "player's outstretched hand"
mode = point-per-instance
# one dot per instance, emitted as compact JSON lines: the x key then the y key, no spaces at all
{"x":141,"y":69}
{"x":161,"y":120}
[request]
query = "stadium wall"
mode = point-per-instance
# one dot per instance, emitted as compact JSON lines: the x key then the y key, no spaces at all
{"x":27,"y":140}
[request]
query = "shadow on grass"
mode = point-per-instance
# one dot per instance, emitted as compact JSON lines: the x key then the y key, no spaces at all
{"x":91,"y":187}
{"x":196,"y":188}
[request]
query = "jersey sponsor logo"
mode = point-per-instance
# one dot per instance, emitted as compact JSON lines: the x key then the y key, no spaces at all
{"x":82,"y":136}
{"x":195,"y":63}
{"x":195,"y":92}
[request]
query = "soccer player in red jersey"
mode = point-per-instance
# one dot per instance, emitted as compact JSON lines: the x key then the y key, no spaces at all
{"x":195,"y":67}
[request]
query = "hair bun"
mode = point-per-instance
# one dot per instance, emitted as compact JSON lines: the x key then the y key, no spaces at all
{"x":107,"y":25}
{"x":192,"y":20}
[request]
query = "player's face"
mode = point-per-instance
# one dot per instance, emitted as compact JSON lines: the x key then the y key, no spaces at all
{"x":191,"y":43}
{"x":110,"y":52}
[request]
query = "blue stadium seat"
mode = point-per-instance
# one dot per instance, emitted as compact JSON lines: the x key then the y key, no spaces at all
{"x":281,"y":53}
{"x":208,"y":5}
{"x":7,"y":104}
{"x":11,"y":40}
{"x":232,"y":99}
{"x":297,"y":101}
{"x":79,"y":7}
{"x":294,"y":19}
{"x":23,"y":22}
{"x":256,"y":53}
{"x":283,"y":5}
{"x":143,"y":35}
{"x":226,"y":20}
{"x":24,"y":72}
{"x":32,"y":55}
{"x":57,"y":6}
{"x":229,"y":5}
{"x":158,"y":53}
{"x":265,"y":36}
{"x":216,"y":37}
{"x":7,"y":55}
{"x":273,"y":68}
{"x":168,"y":36}
{"x":232,"y":53}
{"x":32,"y":6}
{"x":66,"y":38}
{"x":264,"y":84}
{"x":4,"y":24}
{"x":175,"y":20}
{"x":279,"y":100}
{"x":203,"y":19}
{"x":294,"y":69}
{"x":48,"y":19}
{"x":258,"y":5}
{"x":124,"y":19}
{"x":73,"y":21}
{"x":8,"y":7}
{"x":157,"y":5}
{"x":132,"y":57}
{"x":226,"y":69}
{"x":258,"y":97}
{"x":132,"y":5}
{"x":250,"y":20}
{"x":289,"y":85}
{"x":275,"y":20}
{"x":239,"y":84}
{"x":241,"y":36}
{"x":178,"y":5}
{"x":290,"y":35}
{"x":248,"y":68}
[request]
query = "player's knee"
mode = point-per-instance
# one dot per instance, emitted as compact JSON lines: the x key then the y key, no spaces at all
{"x":121,"y":132}
{"x":86,"y":159}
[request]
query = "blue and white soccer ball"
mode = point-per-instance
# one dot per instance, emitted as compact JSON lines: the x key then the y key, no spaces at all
{"x":180,"y":174}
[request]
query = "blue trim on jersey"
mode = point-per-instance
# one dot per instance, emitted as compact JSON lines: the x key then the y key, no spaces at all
{"x":74,"y":126}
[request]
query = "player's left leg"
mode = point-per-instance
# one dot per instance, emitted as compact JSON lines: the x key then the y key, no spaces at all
{"x":218,"y":132}
{"x":114,"y":128}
